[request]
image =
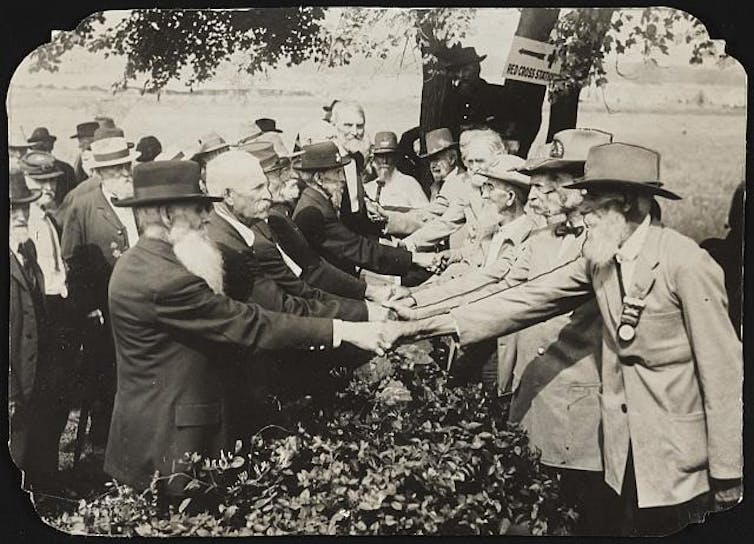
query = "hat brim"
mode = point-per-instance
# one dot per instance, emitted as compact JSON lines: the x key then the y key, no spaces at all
{"x":210,"y":150}
{"x":520,"y":180}
{"x":49,"y":138}
{"x":385,"y":151}
{"x":457,"y":63}
{"x":551,"y":164}
{"x":428,"y":155}
{"x":35,"y":194}
{"x":297,"y":165}
{"x":133,"y":201}
{"x":114,"y":162}
{"x":20,"y":146}
{"x":651,"y":187}
{"x":49,"y":175}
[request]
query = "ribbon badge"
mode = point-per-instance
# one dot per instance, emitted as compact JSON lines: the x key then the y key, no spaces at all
{"x":629,"y":318}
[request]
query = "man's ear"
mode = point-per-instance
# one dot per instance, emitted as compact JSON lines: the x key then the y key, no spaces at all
{"x":228,"y":197}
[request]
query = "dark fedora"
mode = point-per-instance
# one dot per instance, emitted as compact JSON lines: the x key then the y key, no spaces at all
{"x":265,"y":153}
{"x":457,"y":56}
{"x":41,"y":134}
{"x":321,"y":156}
{"x":104,"y":121}
{"x":266,"y":124}
{"x":86,"y":130}
{"x":385,"y":143}
{"x":437,"y":140}
{"x":157,"y":182}
{"x":569,"y":149}
{"x":39,"y":165}
{"x":622,"y":166}
{"x":148,"y":147}
{"x":19,"y":191}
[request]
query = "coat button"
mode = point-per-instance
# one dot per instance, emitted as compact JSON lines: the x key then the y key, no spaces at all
{"x":311,"y":348}
{"x":541,"y":350}
{"x":623,"y":408}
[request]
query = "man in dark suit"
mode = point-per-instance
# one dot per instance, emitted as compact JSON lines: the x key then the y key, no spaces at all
{"x":174,"y":327}
{"x":95,"y":234}
{"x":317,"y":216}
{"x":42,"y":140}
{"x":29,"y":341}
{"x":237,"y":225}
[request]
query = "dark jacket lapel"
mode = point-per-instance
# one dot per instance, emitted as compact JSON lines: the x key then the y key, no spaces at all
{"x":107,"y":212}
{"x":223,"y":233}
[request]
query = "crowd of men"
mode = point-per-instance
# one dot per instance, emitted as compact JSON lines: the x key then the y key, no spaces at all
{"x":178,"y":290}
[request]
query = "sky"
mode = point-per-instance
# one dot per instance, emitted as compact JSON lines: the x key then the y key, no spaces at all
{"x":491,"y":33}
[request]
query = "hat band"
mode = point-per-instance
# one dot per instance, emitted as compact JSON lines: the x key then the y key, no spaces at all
{"x":173,"y":190}
{"x":102,"y":157}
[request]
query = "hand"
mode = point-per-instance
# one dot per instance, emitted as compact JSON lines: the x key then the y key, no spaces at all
{"x":379,"y":293}
{"x":727,"y":495}
{"x":399,"y":292}
{"x":374,"y":337}
{"x":428,"y":261}
{"x":403,"y":312}
{"x":375,"y":312}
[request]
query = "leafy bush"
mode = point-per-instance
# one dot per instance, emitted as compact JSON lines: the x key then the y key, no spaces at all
{"x":399,"y":450}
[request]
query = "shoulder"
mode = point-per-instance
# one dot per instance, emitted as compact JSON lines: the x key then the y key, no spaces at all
{"x":309,"y":215}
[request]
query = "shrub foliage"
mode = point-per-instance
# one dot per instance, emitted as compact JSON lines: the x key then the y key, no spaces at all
{"x":400,"y":449}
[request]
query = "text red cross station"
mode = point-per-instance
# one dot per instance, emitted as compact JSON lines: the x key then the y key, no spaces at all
{"x":531,"y":61}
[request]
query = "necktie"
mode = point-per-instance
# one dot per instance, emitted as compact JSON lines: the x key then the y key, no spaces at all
{"x":27,"y":251}
{"x":566,"y":228}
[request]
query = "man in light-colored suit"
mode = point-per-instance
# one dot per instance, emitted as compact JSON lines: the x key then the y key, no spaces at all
{"x":672,"y":366}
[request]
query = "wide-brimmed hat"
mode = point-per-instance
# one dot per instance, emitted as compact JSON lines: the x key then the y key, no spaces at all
{"x":41,"y":134}
{"x":568,"y":149}
{"x":265,"y":153}
{"x":438,"y":140}
{"x":149,"y":147}
{"x":321,"y":156}
{"x":39,"y":165}
{"x":111,"y":151}
{"x":277,"y":142}
{"x":208,"y":143}
{"x":110,"y":132}
{"x":266,"y":124}
{"x":86,"y":130}
{"x":457,"y":56}
{"x":385,"y":143}
{"x":157,"y":182}
{"x":507,"y":168}
{"x":19,"y":191}
{"x":619,"y":166}
{"x":104,"y":121}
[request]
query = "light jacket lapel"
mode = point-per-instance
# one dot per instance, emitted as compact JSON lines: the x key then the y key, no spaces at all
{"x":608,"y":287}
{"x":646,"y":262}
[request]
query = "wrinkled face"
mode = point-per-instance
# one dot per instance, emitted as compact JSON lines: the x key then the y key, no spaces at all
{"x":19,"y":224}
{"x":497,"y":193}
{"x":117,"y":179}
{"x":189,"y":217}
{"x":48,"y":187}
{"x":385,"y":164}
{"x":349,"y":123}
{"x":284,"y":186}
{"x":606,"y":225}
{"x":548,"y":196}
{"x":477,"y":155}
{"x":252,"y":204}
{"x":334,"y":184}
{"x":441,"y":164}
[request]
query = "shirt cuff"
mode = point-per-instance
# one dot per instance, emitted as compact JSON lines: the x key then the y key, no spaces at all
{"x":337,"y":333}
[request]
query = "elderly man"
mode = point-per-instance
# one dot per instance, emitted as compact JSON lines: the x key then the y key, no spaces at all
{"x":264,"y":275}
{"x":211,"y":145}
{"x":466,"y":206}
{"x":174,"y":330}
{"x":391,"y":188}
{"x":671,"y":366}
{"x":84,"y":135}
{"x":317,"y":216}
{"x":42,"y":140}
{"x":95,"y":234}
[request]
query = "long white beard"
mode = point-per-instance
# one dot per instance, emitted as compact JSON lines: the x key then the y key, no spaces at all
{"x":199,"y":255}
{"x":604,"y":238}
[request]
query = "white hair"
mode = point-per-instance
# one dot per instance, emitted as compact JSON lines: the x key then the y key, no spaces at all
{"x":233,"y":170}
{"x":479,"y":136}
{"x":343,"y":105}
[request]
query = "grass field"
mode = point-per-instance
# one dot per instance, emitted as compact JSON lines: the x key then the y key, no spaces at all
{"x":703,"y":149}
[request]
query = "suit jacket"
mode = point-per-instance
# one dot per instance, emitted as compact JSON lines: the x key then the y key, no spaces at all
{"x":172,"y":334}
{"x":316,"y":271}
{"x":66,"y":182}
{"x":555,"y":367}
{"x":488,"y":100}
{"x":672,"y":394}
{"x":27,"y":328}
{"x":93,"y":239}
{"x":316,"y":218}
{"x":246,"y":279}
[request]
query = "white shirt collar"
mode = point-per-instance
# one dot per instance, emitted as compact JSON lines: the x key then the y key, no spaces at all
{"x":246,"y":233}
{"x":633,"y":244}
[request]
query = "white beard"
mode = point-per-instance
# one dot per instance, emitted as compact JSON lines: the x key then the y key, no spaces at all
{"x":604,"y":238}
{"x":199,"y":255}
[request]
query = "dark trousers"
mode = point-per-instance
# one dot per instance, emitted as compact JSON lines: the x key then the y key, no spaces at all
{"x":98,"y":378}
{"x":630,"y":520}
{"x":586,"y":491}
{"x":52,"y":395}
{"x":478,"y":363}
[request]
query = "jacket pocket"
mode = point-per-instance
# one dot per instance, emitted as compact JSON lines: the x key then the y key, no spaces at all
{"x":688,"y":438}
{"x":583,"y":416}
{"x":197,"y":415}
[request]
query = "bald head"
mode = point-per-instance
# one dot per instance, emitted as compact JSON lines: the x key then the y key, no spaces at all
{"x":238,"y":176}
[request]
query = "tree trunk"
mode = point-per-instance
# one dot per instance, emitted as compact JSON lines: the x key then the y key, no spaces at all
{"x":564,"y":108}
{"x":526,"y":99}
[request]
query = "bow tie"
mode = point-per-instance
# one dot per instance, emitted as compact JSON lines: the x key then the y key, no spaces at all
{"x":566,"y":228}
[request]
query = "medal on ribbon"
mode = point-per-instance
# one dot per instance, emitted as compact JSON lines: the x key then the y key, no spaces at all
{"x":629,"y":318}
